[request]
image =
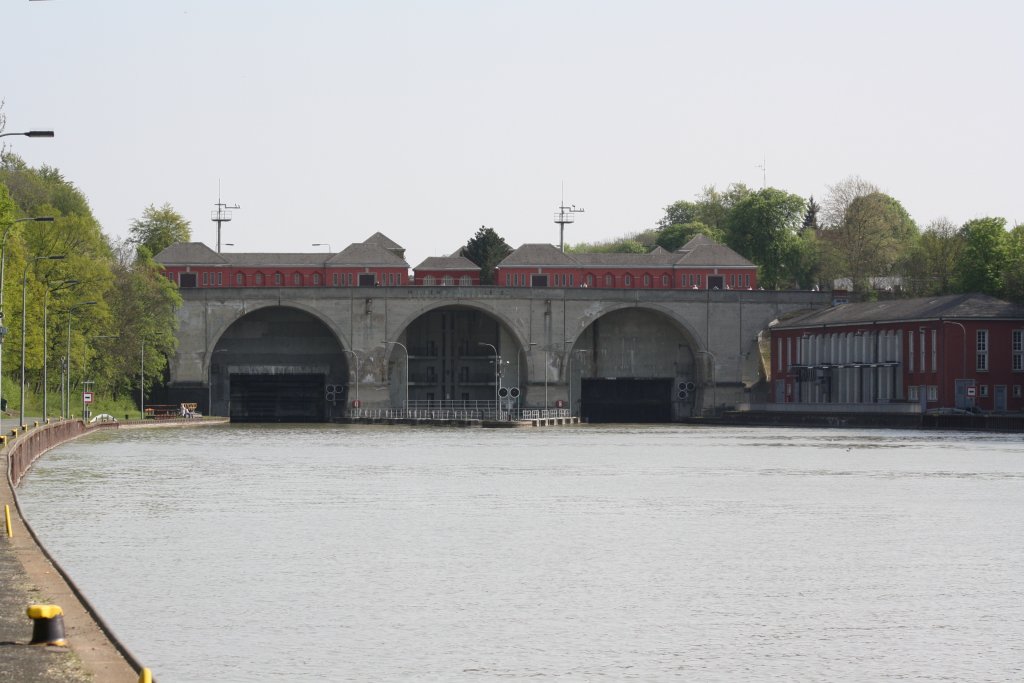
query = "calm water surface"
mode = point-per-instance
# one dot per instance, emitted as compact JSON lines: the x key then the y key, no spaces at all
{"x":326,"y":553}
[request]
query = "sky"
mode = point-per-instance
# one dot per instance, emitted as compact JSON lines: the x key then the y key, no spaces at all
{"x":328,"y":120}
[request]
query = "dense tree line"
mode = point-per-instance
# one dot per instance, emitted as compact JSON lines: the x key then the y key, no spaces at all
{"x":858,"y":234}
{"x":119,"y":304}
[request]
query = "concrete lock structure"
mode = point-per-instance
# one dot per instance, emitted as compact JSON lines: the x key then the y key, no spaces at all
{"x":312,"y":353}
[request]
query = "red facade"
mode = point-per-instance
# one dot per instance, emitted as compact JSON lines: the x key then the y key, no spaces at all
{"x":960,"y":359}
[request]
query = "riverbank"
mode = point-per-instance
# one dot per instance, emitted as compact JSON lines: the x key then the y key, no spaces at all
{"x":32,"y":576}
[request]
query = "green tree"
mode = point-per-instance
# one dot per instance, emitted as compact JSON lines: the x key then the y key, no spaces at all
{"x":874,"y":238}
{"x":763,"y":226}
{"x":982,"y":264}
{"x":931,"y":264}
{"x":486,"y":249}
{"x":676,"y":235}
{"x":158,"y":229}
{"x":811,"y":216}
{"x":1013,"y":278}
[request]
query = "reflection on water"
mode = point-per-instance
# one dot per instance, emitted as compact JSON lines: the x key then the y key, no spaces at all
{"x":304,"y":553}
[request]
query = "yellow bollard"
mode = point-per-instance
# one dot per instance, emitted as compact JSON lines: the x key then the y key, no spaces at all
{"x":7,"y":517}
{"x":145,"y":676}
{"x":3,"y":440}
{"x":47,"y":626}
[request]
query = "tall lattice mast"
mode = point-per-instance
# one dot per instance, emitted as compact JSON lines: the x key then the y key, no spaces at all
{"x":221,"y":215}
{"x":565,"y":217}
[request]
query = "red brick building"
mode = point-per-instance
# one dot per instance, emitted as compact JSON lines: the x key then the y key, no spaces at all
{"x":379,"y":262}
{"x":961,"y":351}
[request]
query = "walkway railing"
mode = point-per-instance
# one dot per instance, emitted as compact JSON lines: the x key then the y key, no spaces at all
{"x":480,"y":410}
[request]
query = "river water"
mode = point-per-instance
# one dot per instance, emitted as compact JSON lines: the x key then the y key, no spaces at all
{"x":330,"y":553}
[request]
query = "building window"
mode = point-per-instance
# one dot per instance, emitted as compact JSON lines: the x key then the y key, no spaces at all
{"x":1017,"y":347}
{"x":664,"y":280}
{"x":239,"y":279}
{"x":465,"y":281}
{"x":913,"y":394}
{"x":1016,"y":391}
{"x":609,"y":280}
{"x":277,"y":279}
{"x":647,"y":280}
{"x":933,"y":392}
{"x":935,"y":354}
{"x":746,"y":280}
{"x":983,"y":390}
{"x":572,"y":279}
{"x":910,"y":352}
{"x":398,"y":279}
{"x":206,"y":279}
{"x":259,"y":279}
{"x":297,"y":279}
{"x":447,"y":282}
{"x":627,"y":281}
{"x":921,"y":350}
{"x":220,"y":279}
{"x":508,"y":279}
{"x":350,"y":279}
{"x":316,"y":279}
{"x":590,"y":279}
{"x":981,"y":351}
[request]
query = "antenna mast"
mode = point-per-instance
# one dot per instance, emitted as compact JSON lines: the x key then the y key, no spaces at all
{"x":764,"y":172}
{"x":222,"y":214}
{"x":565,"y":217}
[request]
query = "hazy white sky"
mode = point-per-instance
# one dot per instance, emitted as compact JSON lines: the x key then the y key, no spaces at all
{"x":328,"y":120}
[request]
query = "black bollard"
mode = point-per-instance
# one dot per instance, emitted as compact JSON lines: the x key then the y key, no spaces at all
{"x":47,"y":625}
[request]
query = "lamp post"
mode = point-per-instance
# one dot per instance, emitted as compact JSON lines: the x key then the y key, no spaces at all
{"x":31,"y":134}
{"x":46,"y":347}
{"x":324,"y":244}
{"x":714,"y":384}
{"x":355,"y":357}
{"x":385,"y":342}
{"x":67,"y":358}
{"x":497,"y":376}
{"x":24,"y":318}
{"x":3,"y":261}
{"x":963,"y":356}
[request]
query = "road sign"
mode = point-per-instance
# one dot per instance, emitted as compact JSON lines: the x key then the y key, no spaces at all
{"x":971,"y":391}
{"x":86,"y":397}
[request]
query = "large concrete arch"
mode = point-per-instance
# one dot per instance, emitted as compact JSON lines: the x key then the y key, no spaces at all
{"x":276,"y":363}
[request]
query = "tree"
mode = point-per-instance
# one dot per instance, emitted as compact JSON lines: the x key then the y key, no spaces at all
{"x":159,"y":229}
{"x":1013,"y":279}
{"x":983,"y":262}
{"x":873,"y":238}
{"x":811,"y":217}
{"x":839,"y":198}
{"x":486,"y":249}
{"x":931,"y":264}
{"x":676,"y":235}
{"x":762,"y":226}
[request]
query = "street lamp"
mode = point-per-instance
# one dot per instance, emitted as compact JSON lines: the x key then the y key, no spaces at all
{"x":497,"y":376}
{"x":24,"y":318}
{"x":963,"y":355}
{"x":407,"y":368}
{"x":67,"y":359}
{"x":355,"y":357}
{"x":3,"y":260}
{"x":31,"y":134}
{"x":46,"y":348}
{"x":324,"y":244}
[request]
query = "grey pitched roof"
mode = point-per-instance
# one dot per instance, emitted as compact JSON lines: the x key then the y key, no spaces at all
{"x":953,"y":306}
{"x":704,"y":251}
{"x":383,"y":240}
{"x":263,"y":260}
{"x":190,"y":254}
{"x":363,"y":254}
{"x":447,"y":263}
{"x":538,"y":255}
{"x":658,"y":257}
